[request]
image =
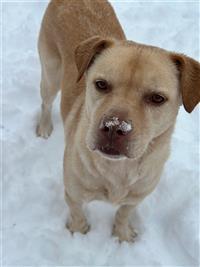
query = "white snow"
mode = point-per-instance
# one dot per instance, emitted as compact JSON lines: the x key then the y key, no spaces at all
{"x":34,"y":211}
{"x":114,"y":121}
{"x":125,"y":126}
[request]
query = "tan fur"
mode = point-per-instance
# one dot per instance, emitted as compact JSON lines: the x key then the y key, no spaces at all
{"x":83,"y":41}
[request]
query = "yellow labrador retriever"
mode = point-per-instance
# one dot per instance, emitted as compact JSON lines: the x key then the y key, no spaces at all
{"x":119,"y":103}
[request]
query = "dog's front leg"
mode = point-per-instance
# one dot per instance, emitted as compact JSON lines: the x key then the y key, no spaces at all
{"x":77,"y":221}
{"x":122,"y":228}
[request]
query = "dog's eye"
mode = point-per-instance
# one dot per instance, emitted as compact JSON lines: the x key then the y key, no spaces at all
{"x":156,"y":99}
{"x":101,"y":85}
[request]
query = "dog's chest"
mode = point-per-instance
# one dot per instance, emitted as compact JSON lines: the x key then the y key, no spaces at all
{"x":116,"y":194}
{"x":113,"y":186}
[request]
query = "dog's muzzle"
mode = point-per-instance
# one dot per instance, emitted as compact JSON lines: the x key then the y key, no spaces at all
{"x":113,"y":136}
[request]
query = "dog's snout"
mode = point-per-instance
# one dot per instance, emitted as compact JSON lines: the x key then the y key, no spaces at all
{"x":114,"y":126}
{"x":114,"y":135}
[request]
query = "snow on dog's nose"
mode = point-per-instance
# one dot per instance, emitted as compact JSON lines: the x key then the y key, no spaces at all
{"x":114,"y":126}
{"x":114,"y":135}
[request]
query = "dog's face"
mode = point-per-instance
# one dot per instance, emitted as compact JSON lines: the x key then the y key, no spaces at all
{"x":132,"y":97}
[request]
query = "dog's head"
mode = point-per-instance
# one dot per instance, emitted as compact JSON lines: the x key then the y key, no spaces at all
{"x":133,"y":93}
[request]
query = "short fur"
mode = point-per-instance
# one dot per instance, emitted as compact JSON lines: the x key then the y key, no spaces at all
{"x":81,"y":41}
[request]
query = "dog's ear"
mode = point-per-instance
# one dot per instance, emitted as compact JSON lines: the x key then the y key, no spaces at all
{"x":189,"y":72}
{"x":86,"y":52}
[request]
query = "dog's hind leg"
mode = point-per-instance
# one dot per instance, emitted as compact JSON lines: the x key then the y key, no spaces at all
{"x":49,"y":87}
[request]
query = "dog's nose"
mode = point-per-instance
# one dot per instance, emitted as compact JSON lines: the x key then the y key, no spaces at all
{"x":115,"y":127}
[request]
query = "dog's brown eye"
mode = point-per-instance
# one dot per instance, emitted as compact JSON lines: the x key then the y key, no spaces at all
{"x":156,"y":99}
{"x":101,"y":85}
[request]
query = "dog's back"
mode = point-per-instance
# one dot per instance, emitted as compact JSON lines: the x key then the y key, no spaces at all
{"x":71,"y":22}
{"x":61,"y":31}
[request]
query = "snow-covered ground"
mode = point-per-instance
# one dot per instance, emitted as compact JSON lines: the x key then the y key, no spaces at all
{"x":34,"y":211}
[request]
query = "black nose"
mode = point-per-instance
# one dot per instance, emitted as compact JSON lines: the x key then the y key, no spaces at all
{"x":115,"y":127}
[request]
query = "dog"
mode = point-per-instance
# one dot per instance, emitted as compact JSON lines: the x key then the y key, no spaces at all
{"x":119,"y":103}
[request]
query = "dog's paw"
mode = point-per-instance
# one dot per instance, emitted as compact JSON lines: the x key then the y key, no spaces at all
{"x":124,"y":233}
{"x":44,"y":129}
{"x":82,"y":227}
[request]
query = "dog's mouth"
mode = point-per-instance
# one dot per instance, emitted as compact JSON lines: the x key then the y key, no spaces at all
{"x":110,"y":152}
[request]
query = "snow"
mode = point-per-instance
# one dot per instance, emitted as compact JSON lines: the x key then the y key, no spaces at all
{"x":34,"y":211}
{"x":123,"y":125}
{"x":114,"y":121}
